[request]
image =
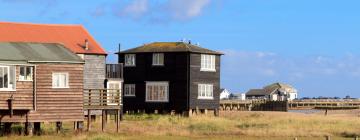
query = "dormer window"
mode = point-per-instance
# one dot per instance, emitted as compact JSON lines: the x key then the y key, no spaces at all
{"x":130,"y":59}
{"x":158,"y":59}
{"x":207,"y":62}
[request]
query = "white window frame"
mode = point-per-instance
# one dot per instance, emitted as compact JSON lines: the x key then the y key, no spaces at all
{"x":131,"y":62}
{"x":110,"y":93}
{"x":59,"y":73}
{"x":158,"y":59}
{"x":208,"y":63}
{"x":13,"y":88}
{"x":206,"y":91}
{"x":21,"y":77}
{"x":153,"y":84}
{"x":129,"y":90}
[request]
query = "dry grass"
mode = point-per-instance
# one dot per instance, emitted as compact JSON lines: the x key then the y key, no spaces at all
{"x":230,"y":125}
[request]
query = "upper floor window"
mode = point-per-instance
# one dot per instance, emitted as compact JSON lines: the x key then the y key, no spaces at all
{"x":129,"y":90}
{"x":60,"y":80}
{"x":7,"y":77}
{"x":207,"y":62}
{"x":205,"y":91}
{"x":130,"y":59}
{"x":26,"y":73}
{"x":158,"y":59}
{"x":157,"y":92}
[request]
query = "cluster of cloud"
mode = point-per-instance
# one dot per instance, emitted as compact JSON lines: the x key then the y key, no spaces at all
{"x":311,"y":74}
{"x":157,"y":11}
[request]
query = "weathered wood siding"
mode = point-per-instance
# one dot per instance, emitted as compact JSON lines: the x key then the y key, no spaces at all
{"x":174,"y":71}
{"x":23,"y":95}
{"x":54,"y":104}
{"x":201,"y":77}
{"x":94,"y":71}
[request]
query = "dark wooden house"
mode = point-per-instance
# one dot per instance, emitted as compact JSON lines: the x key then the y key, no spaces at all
{"x":170,"y":76}
{"x":40,"y":82}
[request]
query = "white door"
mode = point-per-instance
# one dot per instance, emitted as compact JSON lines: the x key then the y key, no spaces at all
{"x":113,"y":92}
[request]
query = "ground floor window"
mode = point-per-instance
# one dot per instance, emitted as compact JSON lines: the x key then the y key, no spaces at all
{"x":7,"y":77}
{"x":205,"y":91}
{"x":26,"y":73}
{"x":129,"y":90}
{"x":60,"y":80}
{"x":157,"y":91}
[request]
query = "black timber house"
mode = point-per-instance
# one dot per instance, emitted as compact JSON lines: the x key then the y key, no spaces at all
{"x":171,"y":76}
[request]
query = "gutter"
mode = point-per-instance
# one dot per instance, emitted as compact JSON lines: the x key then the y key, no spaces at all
{"x":72,"y":62}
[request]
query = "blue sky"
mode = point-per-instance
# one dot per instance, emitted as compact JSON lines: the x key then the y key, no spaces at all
{"x":312,"y":45}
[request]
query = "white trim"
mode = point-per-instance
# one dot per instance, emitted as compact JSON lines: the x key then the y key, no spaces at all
{"x":156,"y":59}
{"x":66,"y":82}
{"x":157,"y":83}
{"x":32,"y":74}
{"x":13,"y":88}
{"x":127,"y":56}
{"x":108,"y":91}
{"x":73,"y":62}
{"x":206,"y":91}
{"x":208,"y":63}
{"x":130,"y":86}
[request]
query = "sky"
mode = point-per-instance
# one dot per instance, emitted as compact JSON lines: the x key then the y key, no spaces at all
{"x":311,"y":45}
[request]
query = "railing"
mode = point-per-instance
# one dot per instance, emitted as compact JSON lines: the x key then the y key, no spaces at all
{"x":102,"y":98}
{"x":114,"y":70}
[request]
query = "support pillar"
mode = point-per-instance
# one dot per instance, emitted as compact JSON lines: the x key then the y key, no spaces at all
{"x":216,"y":112}
{"x":103,"y":120}
{"x":28,"y":128}
{"x":7,"y":127}
{"x":89,"y":120}
{"x":37,"y":128}
{"x":117,"y":119}
{"x":58,"y":127}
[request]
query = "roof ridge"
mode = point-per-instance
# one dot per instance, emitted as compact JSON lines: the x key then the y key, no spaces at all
{"x":41,"y":24}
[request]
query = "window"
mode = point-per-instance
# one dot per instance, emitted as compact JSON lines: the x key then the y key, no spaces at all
{"x":60,"y":80}
{"x":205,"y":91}
{"x":130,"y":59}
{"x":207,"y":62}
{"x":129,"y":90}
{"x":7,"y":78}
{"x":157,"y":91}
{"x":26,"y":73}
{"x":158,"y":59}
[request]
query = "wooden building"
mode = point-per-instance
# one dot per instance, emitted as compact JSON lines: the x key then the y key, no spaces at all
{"x":274,"y":92}
{"x":40,"y":82}
{"x":170,"y":76}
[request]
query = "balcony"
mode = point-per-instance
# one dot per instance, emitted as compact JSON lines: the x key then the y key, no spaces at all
{"x":114,"y":71}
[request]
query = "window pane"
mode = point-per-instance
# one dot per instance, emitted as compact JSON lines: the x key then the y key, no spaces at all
{"x":6,"y":76}
{"x":22,"y":73}
{"x":161,"y":59}
{"x":1,"y":77}
{"x":28,"y":75}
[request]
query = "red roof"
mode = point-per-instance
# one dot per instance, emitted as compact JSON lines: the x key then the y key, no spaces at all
{"x":71,"y":36}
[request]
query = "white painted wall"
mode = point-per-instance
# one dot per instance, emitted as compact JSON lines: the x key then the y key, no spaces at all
{"x":225,"y":94}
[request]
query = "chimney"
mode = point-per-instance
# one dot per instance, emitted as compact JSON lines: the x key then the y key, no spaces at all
{"x":86,"y":44}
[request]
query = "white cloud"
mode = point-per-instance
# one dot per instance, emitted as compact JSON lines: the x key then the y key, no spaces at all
{"x":136,"y":9}
{"x":186,"y":9}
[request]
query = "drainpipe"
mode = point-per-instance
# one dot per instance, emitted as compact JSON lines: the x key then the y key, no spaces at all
{"x":34,"y":88}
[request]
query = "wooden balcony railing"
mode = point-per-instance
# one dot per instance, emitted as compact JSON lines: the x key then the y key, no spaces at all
{"x":102,"y":99}
{"x":114,"y":70}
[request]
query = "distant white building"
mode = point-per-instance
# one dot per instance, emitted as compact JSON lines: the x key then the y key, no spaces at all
{"x":224,"y":94}
{"x":274,"y":92}
{"x":239,"y":96}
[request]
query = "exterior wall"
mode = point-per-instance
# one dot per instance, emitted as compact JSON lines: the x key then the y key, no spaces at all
{"x":94,"y":71}
{"x":23,"y":95}
{"x":53,"y":105}
{"x":174,"y":71}
{"x":201,"y":77}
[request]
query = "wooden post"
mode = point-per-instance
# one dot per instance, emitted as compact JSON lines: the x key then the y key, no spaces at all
{"x":103,"y":120}
{"x":89,"y":120}
{"x":356,"y":138}
{"x":58,"y":127}
{"x":190,"y":113}
{"x":205,"y":111}
{"x":7,"y":127}
{"x":28,"y":129}
{"x":197,"y":110}
{"x":75,"y":125}
{"x":328,"y":138}
{"x":295,"y":138}
{"x":37,"y":128}
{"x":118,"y":112}
{"x":216,"y":112}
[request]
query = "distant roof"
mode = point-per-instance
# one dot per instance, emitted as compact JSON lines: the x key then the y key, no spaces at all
{"x":170,"y":47}
{"x":280,"y":86}
{"x":37,"y":52}
{"x":256,"y":92}
{"x":72,"y":36}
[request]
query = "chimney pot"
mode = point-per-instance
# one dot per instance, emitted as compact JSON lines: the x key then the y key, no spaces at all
{"x":86,"y":44}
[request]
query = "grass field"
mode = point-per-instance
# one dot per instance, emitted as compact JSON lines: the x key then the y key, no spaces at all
{"x":230,"y":125}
